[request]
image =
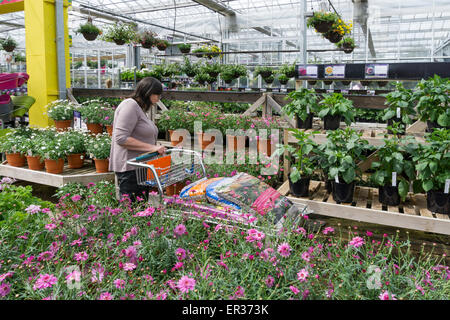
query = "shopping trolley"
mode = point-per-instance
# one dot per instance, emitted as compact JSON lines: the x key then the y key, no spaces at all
{"x":161,"y":171}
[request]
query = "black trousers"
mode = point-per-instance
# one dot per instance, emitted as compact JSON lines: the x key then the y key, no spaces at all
{"x":127,"y":182}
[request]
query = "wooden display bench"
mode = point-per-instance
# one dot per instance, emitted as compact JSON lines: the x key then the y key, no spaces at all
{"x":412,"y":214}
{"x":84,"y":175}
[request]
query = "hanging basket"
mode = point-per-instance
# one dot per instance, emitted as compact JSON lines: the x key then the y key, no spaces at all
{"x":161,"y":46}
{"x":8,"y":48}
{"x":323,"y":26}
{"x":90,"y":36}
{"x":333,"y":37}
{"x":185,"y":50}
{"x":119,"y":42}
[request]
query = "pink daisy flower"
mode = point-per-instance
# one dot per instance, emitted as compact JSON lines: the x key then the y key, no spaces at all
{"x":180,"y":253}
{"x":185,"y":284}
{"x":119,"y":283}
{"x":302,"y":275}
{"x":76,"y":198}
{"x":32,"y":209}
{"x":106,"y":296}
{"x":328,"y":230}
{"x":294,"y":289}
{"x":356,"y":242}
{"x":81,"y":256}
{"x":50,"y":226}
{"x":284,"y":250}
{"x":269,"y":281}
{"x":306,"y":256}
{"x":129,"y":266}
{"x":5,"y":289}
{"x":45,"y":281}
{"x":180,"y":229}
{"x":385,"y":295}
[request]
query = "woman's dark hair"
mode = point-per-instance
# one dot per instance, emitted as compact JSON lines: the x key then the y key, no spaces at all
{"x":144,"y":89}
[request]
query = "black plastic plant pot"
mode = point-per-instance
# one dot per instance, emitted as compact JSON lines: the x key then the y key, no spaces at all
{"x":365,"y":83}
{"x":300,"y":188}
{"x":328,"y":82}
{"x":329,"y":185}
{"x":291,"y":74}
{"x":331,"y":122}
{"x":312,"y":82}
{"x":343,"y":192}
{"x":345,"y":82}
{"x":119,"y":42}
{"x":431,"y":125}
{"x":348,"y":50}
{"x":90,"y":36}
{"x":382,"y":83}
{"x":307,"y":124}
{"x":265,"y":74}
{"x":388,"y":195}
{"x":9,"y":48}
{"x":438,"y":202}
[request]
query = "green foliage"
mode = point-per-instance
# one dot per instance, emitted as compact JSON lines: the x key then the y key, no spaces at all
{"x":189,"y":68}
{"x":51,"y":145}
{"x":204,"y":78}
{"x":8,"y":44}
{"x":74,"y":141}
{"x":302,"y":163}
{"x":432,"y":161}
{"x":335,"y":104}
{"x":433,"y":101}
{"x":61,"y":110}
{"x":230,"y":72}
{"x":265,"y":72}
{"x":184,"y":47}
{"x":120,"y":32}
{"x":99,"y":147}
{"x":403,"y":99}
{"x":319,"y":17}
{"x":346,"y":42}
{"x":283,"y":79}
{"x":302,"y":100}
{"x":392,"y":158}
{"x":341,"y":153}
{"x":13,"y":142}
{"x":288,"y":70}
{"x":88,"y":28}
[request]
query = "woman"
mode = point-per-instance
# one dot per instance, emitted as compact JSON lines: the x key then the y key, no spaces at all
{"x":133,"y":134}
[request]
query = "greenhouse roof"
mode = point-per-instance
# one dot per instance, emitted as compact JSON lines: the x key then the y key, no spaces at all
{"x":389,"y":30}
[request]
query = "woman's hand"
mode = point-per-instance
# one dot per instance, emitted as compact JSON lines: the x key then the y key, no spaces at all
{"x":161,"y":149}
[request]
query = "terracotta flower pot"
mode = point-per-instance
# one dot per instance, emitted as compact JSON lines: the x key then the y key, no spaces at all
{"x":101,"y":165}
{"x":172,"y":140}
{"x":109,"y":129}
{"x":203,"y":142}
{"x":62,"y":125}
{"x":35,"y":163}
{"x":16,"y":159}
{"x":75,"y":161}
{"x":94,"y":128}
{"x":170,"y":190}
{"x":54,"y":166}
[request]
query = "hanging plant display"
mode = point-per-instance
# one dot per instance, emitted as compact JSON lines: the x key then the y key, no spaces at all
{"x":162,"y":45}
{"x":89,"y":31}
{"x":9,"y":44}
{"x":338,"y":30}
{"x":322,"y":21}
{"x":348,"y":44}
{"x":184,"y":47}
{"x":147,"y":39}
{"x":120,"y":33}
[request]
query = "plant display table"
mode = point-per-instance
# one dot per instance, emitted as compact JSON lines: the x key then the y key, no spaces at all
{"x":412,"y":214}
{"x":84,"y":175}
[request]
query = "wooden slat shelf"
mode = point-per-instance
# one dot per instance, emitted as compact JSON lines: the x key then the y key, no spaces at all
{"x":84,"y":175}
{"x":412,"y":214}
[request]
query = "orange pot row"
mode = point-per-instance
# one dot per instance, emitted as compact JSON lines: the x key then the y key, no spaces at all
{"x":94,"y":128}
{"x":75,"y":161}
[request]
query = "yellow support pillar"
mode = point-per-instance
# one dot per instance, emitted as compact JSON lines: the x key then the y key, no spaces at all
{"x":41,"y":55}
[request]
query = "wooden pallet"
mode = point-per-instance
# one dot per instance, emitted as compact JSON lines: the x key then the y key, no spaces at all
{"x":412,"y":214}
{"x":84,"y":175}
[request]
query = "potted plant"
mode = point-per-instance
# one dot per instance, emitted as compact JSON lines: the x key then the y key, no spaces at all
{"x":283,"y":79}
{"x":162,"y":44}
{"x":99,"y":148}
{"x":212,"y":69}
{"x":190,"y":69}
{"x":302,"y":164}
{"x":51,"y":149}
{"x":92,"y":113}
{"x":288,"y":70}
{"x":302,"y":106}
{"x":203,"y":78}
{"x":322,"y":21}
{"x":89,"y":31}
{"x":432,"y":162}
{"x":265,"y":72}
{"x":30,"y":145}
{"x":61,"y":111}
{"x":172,"y":120}
{"x":348,"y":44}
{"x":337,"y":31}
{"x":231,"y":72}
{"x":400,"y":107}
{"x":392,"y":172}
{"x":9,"y":44}
{"x":200,"y":52}
{"x":13,"y":145}
{"x":184,"y":47}
{"x":74,"y":142}
{"x":433,"y":102}
{"x":334,"y":107}
{"x":120,"y":33}
{"x":107,"y":119}
{"x":265,"y":145}
{"x":344,"y":149}
{"x":146,"y":38}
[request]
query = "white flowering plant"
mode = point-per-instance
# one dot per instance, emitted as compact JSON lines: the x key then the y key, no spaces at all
{"x":12,"y":143}
{"x":61,"y":110}
{"x":99,"y":147}
{"x":74,"y":141}
{"x":50,"y":146}
{"x":93,"y":111}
